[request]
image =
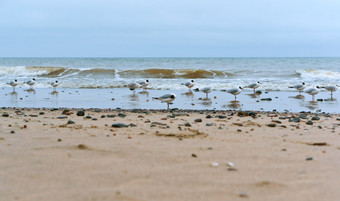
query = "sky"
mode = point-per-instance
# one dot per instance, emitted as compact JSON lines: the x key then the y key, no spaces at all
{"x":171,"y":28}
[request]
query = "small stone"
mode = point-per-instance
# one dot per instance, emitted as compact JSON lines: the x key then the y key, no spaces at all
{"x":12,"y":132}
{"x":119,"y":125}
{"x":5,"y":115}
{"x":111,"y":116}
{"x":208,"y":116}
{"x":187,"y":124}
{"x":41,"y":113}
{"x":209,"y":124}
{"x":88,"y":117}
{"x":198,"y":120}
{"x":315,"y":118}
{"x":296,"y":120}
{"x":309,"y":123}
{"x":271,"y":125}
{"x":194,"y":155}
{"x":132,"y":125}
{"x":65,"y":111}
{"x":62,"y":117}
{"x":222,"y":116}
{"x":94,"y":119}
{"x":266,"y":99}
{"x":231,"y":169}
{"x":121,"y":115}
{"x":243,"y":195}
{"x":70,"y":122}
{"x":80,"y":113}
{"x":59,"y":140}
{"x":309,"y":158}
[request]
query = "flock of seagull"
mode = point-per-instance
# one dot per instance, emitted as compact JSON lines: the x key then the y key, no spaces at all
{"x":168,"y":98}
{"x":31,"y":82}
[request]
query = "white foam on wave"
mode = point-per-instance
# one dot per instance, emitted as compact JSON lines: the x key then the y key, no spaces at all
{"x":21,"y":71}
{"x":314,"y":74}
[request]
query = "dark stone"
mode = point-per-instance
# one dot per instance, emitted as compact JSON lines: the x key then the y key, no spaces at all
{"x":266,"y":99}
{"x":222,"y":116}
{"x":320,"y":100}
{"x":309,"y":158}
{"x":315,"y":118}
{"x":198,"y":120}
{"x":62,"y":117}
{"x":121,"y":115}
{"x":94,"y":119}
{"x":80,"y":113}
{"x":54,"y":109}
{"x":209,"y":124}
{"x":296,"y":120}
{"x":65,"y":111}
{"x":271,"y":125}
{"x":119,"y":125}
{"x":302,"y":116}
{"x":309,"y":122}
{"x":111,"y":116}
{"x":88,"y":117}
{"x":70,"y":122}
{"x":187,"y":124}
{"x":208,"y":116}
{"x":33,"y":115}
{"x":5,"y":115}
{"x":242,"y":113}
{"x":12,"y":132}
{"x":252,"y":114}
{"x":132,"y":125}
{"x":41,"y":113}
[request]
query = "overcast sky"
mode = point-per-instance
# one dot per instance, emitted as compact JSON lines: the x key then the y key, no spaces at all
{"x":169,"y":28}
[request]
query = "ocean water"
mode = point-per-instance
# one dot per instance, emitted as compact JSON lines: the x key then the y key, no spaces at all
{"x":275,"y":74}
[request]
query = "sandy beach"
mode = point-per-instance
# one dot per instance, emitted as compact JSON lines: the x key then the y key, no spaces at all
{"x":54,"y":154}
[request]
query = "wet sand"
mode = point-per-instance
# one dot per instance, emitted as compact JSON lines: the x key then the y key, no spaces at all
{"x":50,"y":154}
{"x":185,"y":99}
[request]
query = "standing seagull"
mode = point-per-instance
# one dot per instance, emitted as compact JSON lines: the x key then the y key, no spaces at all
{"x":167,"y":98}
{"x":330,"y":88}
{"x":133,"y":86}
{"x":312,"y":91}
{"x":13,"y":84}
{"x":299,"y":87}
{"x":253,"y":86}
{"x":54,"y":85}
{"x":143,"y":83}
{"x":189,"y":84}
{"x":235,"y":91}
{"x":31,"y":83}
{"x":206,"y":90}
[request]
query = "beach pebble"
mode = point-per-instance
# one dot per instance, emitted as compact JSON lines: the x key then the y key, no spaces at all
{"x":208,"y":116}
{"x":59,"y":140}
{"x":309,"y":123}
{"x":80,"y":113}
{"x":243,"y":195}
{"x":230,"y":164}
{"x":65,"y":111}
{"x":121,"y":115}
{"x":309,"y":158}
{"x":33,"y":115}
{"x":296,"y":120}
{"x":222,"y":116}
{"x":94,"y":119}
{"x":41,"y":113}
{"x":198,"y":120}
{"x":70,"y":122}
{"x":194,"y":155}
{"x":315,"y":118}
{"x":132,"y":125}
{"x":5,"y":115}
{"x":271,"y":125}
{"x":187,"y":124}
{"x":62,"y":117}
{"x":119,"y":125}
{"x":266,"y":99}
{"x":209,"y":124}
{"x":111,"y":116}
{"x":12,"y":132}
{"x":214,"y":164}
{"x":88,"y":117}
{"x":231,"y":169}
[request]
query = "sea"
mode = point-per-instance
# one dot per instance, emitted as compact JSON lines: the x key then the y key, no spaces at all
{"x":274,"y":74}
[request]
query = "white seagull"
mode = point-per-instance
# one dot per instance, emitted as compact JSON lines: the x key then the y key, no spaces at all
{"x":253,"y":86}
{"x":330,"y":88}
{"x":13,"y":84}
{"x":189,"y":84}
{"x":312,"y":91}
{"x":31,"y":83}
{"x":143,"y":83}
{"x":299,"y":87}
{"x":167,"y":98}
{"x":206,"y":90}
{"x":133,"y":86}
{"x":54,"y":85}
{"x":235,"y":91}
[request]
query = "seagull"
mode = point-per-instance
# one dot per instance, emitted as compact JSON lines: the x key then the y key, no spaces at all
{"x":31,"y":83}
{"x":235,"y":91}
{"x":132,"y":86}
{"x":54,"y":85}
{"x":206,"y":90}
{"x":299,"y":87}
{"x":143,"y":83}
{"x":13,"y":84}
{"x":330,"y":88}
{"x":253,"y":86}
{"x":189,"y":84}
{"x":167,"y":98}
{"x":312,"y":91}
